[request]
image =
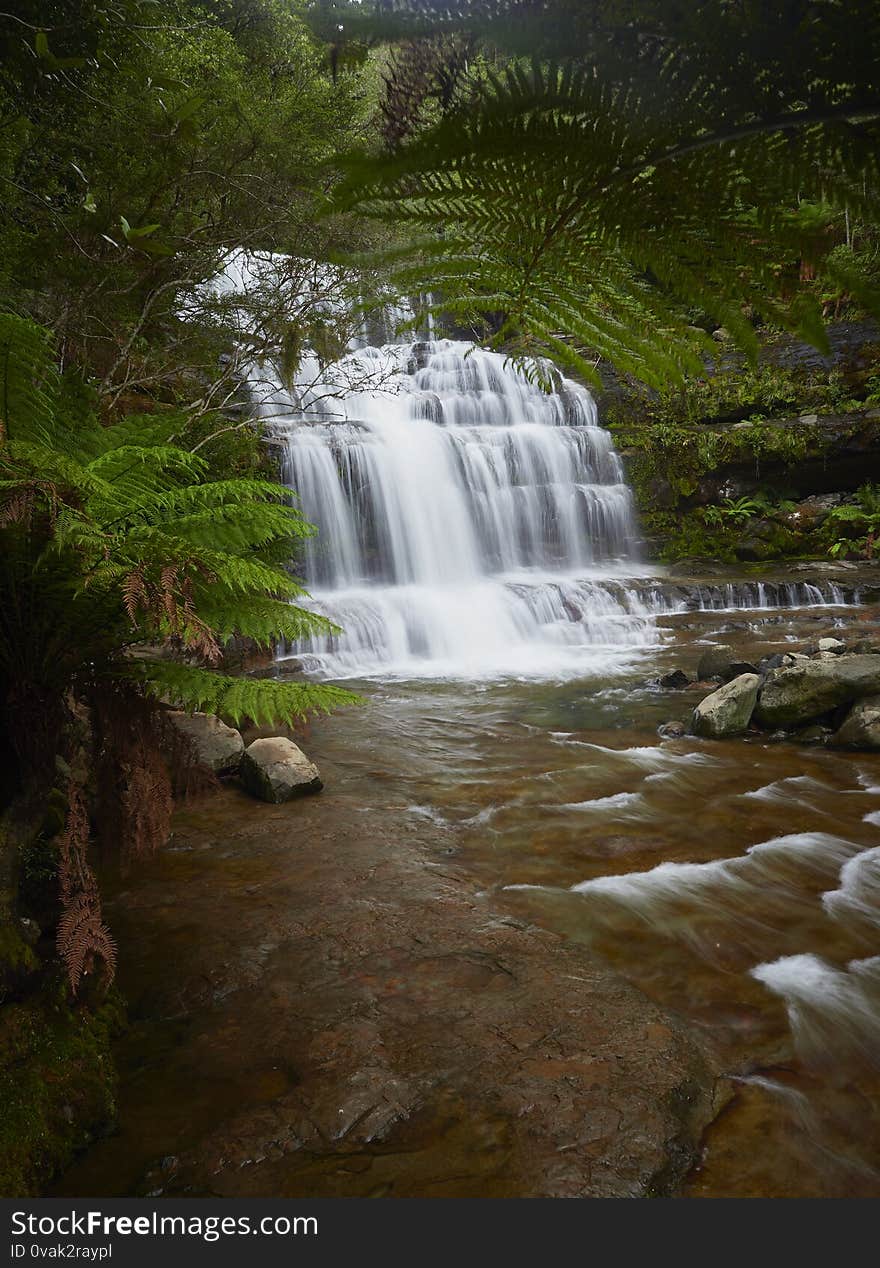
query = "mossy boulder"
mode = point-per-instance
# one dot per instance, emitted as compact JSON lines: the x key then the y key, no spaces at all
{"x":57,"y":1084}
{"x":800,"y":693}
{"x":217,"y":746}
{"x":861,"y":727}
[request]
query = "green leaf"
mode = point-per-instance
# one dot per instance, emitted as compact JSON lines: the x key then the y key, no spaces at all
{"x":189,"y":107}
{"x":143,"y":240}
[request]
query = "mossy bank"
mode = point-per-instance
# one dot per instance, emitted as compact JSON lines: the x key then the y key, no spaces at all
{"x":57,"y":1074}
{"x":764,"y":462}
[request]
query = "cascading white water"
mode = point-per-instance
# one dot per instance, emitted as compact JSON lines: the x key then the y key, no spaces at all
{"x":468,"y":522}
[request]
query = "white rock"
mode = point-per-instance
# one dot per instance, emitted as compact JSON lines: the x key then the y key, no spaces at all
{"x":728,"y":710}
{"x":277,"y":770}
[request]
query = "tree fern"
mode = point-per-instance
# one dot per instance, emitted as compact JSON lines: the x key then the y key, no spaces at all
{"x":114,"y":537}
{"x":649,"y":162}
{"x":259,"y":699}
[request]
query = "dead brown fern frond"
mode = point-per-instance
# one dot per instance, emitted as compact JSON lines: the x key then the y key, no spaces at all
{"x":146,"y":800}
{"x":83,"y":940}
{"x":168,"y":601}
{"x":142,"y":761}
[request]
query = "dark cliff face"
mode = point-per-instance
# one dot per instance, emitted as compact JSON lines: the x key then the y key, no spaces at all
{"x":841,"y":452}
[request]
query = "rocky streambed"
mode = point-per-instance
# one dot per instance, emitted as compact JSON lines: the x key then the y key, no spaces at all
{"x":324,"y":1006}
{"x":520,"y":944}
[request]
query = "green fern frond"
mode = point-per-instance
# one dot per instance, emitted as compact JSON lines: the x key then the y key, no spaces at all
{"x":262,"y":700}
{"x":29,"y":381}
{"x":264,"y":620}
{"x":592,"y":202}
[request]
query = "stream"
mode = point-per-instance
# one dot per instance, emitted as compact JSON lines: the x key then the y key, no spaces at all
{"x":735,"y":884}
{"x":520,"y":944}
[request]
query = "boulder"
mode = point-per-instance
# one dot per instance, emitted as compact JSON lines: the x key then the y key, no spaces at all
{"x":814,"y":734}
{"x":798,"y":694}
{"x":672,"y":730}
{"x":216,"y":745}
{"x":861,"y":727}
{"x":738,"y":667}
{"x":277,"y":770}
{"x":715,"y":661}
{"x":728,"y":710}
{"x":866,"y":647}
{"x":675,"y":681}
{"x":826,"y":647}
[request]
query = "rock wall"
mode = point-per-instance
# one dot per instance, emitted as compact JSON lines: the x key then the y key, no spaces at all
{"x":798,"y":427}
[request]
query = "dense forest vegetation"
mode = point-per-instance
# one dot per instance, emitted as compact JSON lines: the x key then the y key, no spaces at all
{"x":651,"y":195}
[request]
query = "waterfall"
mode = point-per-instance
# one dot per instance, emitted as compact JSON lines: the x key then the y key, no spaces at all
{"x":469,"y":522}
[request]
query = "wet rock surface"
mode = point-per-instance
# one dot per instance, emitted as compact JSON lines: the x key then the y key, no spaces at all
{"x":215,"y":745}
{"x":806,"y":691}
{"x":728,"y":710}
{"x":861,"y":727}
{"x":351,"y":1018}
{"x":275,"y":769}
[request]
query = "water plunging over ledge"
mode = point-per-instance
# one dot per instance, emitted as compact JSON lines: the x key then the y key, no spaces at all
{"x":469,"y":523}
{"x":320,"y":1018}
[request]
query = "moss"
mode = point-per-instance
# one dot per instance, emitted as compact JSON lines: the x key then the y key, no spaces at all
{"x":57,"y":1083}
{"x":676,"y":444}
{"x":16,"y":957}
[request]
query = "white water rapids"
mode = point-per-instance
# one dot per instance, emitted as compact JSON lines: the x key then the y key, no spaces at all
{"x":472,"y":526}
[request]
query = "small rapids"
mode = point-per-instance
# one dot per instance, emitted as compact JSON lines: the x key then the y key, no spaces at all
{"x":477,"y":539}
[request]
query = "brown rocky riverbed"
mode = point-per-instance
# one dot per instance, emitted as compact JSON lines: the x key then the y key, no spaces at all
{"x":323,"y":1006}
{"x":429,"y":980}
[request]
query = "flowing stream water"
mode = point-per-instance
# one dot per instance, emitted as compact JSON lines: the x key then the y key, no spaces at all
{"x":478,"y":546}
{"x":477,"y":530}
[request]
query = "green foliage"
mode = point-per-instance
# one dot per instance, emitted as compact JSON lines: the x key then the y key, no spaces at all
{"x":852,"y":528}
{"x":116,"y":537}
{"x":650,"y":159}
{"x":152,"y":140}
{"x":57,"y":1085}
{"x":733,"y":511}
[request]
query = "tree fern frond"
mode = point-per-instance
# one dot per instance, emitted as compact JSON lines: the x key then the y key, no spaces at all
{"x":553,"y":181}
{"x":262,"y":700}
{"x":29,"y":381}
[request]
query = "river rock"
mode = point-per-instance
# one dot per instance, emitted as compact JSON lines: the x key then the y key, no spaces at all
{"x":715,"y":661}
{"x":835,"y":645}
{"x":861,"y":727}
{"x":672,"y":730}
{"x":728,"y":710}
{"x":216,"y":745}
{"x":277,"y":770}
{"x":799,"y":694}
{"x":866,"y":647}
{"x":738,"y":667}
{"x":675,"y":681}
{"x":814,"y":734}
